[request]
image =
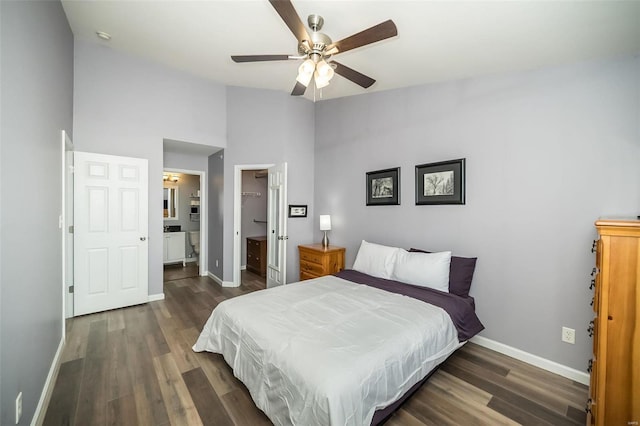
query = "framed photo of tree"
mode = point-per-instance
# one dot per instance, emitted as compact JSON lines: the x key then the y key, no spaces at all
{"x":383,"y":187}
{"x":440,"y":183}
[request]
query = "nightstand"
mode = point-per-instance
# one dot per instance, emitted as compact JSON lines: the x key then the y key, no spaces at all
{"x":316,"y":260}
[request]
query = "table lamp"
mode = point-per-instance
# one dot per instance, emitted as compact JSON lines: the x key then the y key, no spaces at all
{"x":325,"y":225}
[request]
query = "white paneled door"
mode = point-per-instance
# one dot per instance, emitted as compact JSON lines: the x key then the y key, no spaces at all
{"x":110,"y":232}
{"x":277,"y":226}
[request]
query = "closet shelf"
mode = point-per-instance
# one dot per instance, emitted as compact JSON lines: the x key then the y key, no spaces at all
{"x":259,"y":221}
{"x":252,"y":194}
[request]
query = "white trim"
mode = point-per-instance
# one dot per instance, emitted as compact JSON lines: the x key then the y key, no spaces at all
{"x":219,"y":281}
{"x":49,"y":384}
{"x":204,"y":223}
{"x":237,"y":215}
{"x":243,"y":268}
{"x":63,"y":233}
{"x":155,"y":297}
{"x":535,"y":360}
{"x":214,"y":277}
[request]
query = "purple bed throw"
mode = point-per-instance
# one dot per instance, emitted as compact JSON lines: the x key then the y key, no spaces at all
{"x":460,"y":309}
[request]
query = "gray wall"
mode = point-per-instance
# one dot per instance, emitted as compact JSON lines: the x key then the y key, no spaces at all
{"x":37,"y":94}
{"x":174,"y":160}
{"x":548,"y":152}
{"x":126,"y":106}
{"x":253,"y":208}
{"x":215,"y":211}
{"x":266,"y":127}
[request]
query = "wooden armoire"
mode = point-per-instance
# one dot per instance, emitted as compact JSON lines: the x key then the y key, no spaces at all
{"x":614,"y":394}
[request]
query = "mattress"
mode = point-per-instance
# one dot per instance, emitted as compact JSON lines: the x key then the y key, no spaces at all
{"x":328,"y":351}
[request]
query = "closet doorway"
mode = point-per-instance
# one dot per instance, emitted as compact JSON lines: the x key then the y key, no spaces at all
{"x":253,"y":228}
{"x":276,"y":227}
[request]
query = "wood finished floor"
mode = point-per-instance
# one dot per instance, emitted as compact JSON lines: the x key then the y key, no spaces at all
{"x":135,"y":366}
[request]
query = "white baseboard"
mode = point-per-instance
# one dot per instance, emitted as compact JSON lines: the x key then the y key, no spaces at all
{"x":219,"y":281}
{"x":243,"y":268}
{"x":214,"y":277}
{"x":545,"y":364}
{"x":47,"y":390}
{"x":155,"y":297}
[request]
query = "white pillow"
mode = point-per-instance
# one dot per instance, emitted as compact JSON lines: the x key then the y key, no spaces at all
{"x":376,"y":260}
{"x":423,"y":269}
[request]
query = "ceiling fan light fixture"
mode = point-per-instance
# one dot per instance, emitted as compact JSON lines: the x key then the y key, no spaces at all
{"x":324,"y":70}
{"x":305,"y":72}
{"x":320,"y":80}
{"x":307,"y":67}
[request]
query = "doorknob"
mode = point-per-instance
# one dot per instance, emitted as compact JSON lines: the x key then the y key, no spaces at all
{"x":143,"y":238}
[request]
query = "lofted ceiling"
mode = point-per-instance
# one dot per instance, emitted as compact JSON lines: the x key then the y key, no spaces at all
{"x":437,"y":40}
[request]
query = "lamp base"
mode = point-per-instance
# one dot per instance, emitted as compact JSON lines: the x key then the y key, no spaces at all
{"x":325,"y":240}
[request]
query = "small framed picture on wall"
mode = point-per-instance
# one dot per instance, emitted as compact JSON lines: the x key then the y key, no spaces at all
{"x":441,"y":183}
{"x":383,"y":187}
{"x":297,"y":210}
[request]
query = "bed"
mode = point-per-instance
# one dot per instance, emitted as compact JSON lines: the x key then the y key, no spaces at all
{"x":337,"y":350}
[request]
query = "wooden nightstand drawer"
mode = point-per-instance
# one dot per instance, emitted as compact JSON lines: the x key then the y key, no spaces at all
{"x":316,"y":261}
{"x":311,"y":256}
{"x":311,"y":268}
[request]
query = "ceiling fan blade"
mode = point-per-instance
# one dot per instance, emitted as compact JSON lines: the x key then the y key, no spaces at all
{"x":259,"y":58}
{"x":299,"y":89}
{"x":371,"y":35}
{"x":291,"y":18}
{"x":353,"y":75}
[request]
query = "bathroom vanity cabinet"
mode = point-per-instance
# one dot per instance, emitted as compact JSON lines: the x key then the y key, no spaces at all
{"x":174,"y":247}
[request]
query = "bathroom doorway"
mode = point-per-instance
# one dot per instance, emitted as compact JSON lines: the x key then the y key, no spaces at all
{"x":184,"y":220}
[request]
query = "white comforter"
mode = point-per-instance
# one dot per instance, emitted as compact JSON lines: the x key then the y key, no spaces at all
{"x":327,"y":351}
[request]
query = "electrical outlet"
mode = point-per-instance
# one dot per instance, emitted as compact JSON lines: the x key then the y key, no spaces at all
{"x":568,"y":335}
{"x":18,"y":407}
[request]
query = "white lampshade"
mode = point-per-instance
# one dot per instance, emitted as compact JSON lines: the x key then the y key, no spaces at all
{"x":324,"y":70}
{"x":305,"y":72}
{"x":325,"y":222}
{"x":324,"y":73}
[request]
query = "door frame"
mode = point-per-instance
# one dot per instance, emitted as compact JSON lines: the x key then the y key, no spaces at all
{"x":237,"y":216}
{"x":65,"y":221}
{"x":202,"y":257}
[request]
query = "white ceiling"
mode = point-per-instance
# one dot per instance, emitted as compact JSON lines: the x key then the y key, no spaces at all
{"x":437,"y":40}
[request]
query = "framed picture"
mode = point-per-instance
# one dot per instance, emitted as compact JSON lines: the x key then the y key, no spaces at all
{"x":383,"y":187}
{"x":297,"y":210}
{"x":440,"y":183}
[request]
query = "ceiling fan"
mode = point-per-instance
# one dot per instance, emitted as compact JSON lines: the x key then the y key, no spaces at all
{"x":316,"y":49}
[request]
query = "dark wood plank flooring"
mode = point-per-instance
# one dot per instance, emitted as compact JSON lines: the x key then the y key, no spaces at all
{"x":135,"y":366}
{"x":176,"y":271}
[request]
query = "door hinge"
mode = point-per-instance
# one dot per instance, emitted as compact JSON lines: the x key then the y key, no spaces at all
{"x":71,"y":288}
{"x":71,"y":229}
